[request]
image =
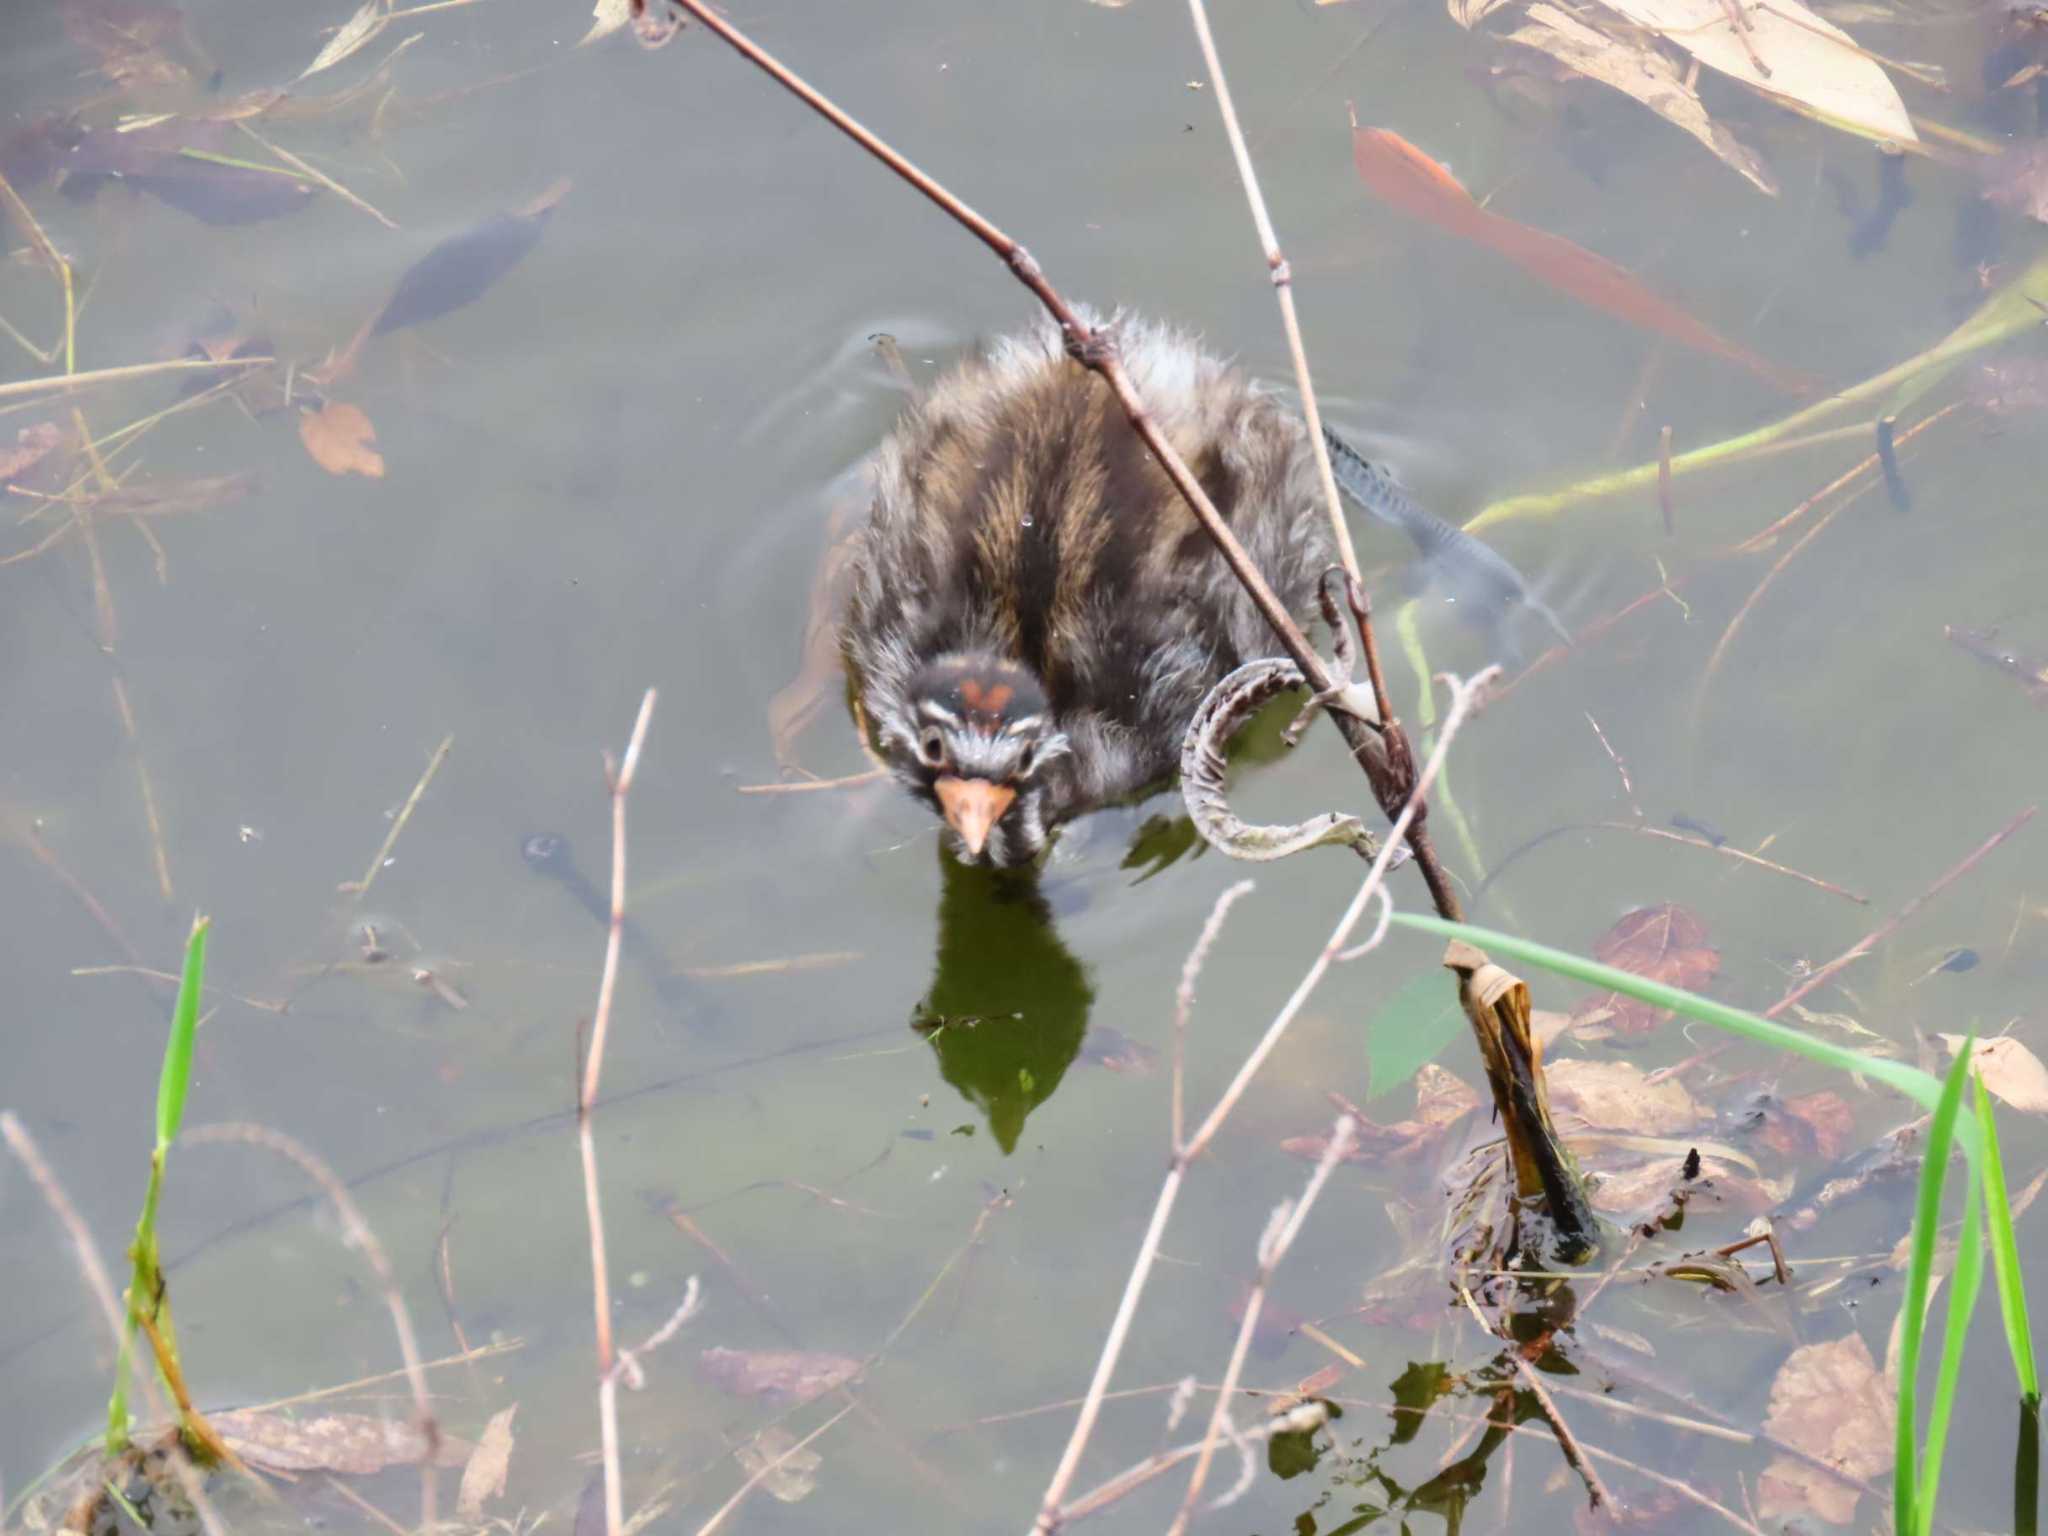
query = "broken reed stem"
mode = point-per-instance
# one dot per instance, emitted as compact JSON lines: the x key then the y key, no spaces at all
{"x":1271,"y":1252}
{"x":101,"y":1285}
{"x":1574,"y":1453}
{"x":1096,"y":350}
{"x":1283,"y":288}
{"x":621,"y":776}
{"x":360,"y":888}
{"x":1051,"y":1514}
{"x":67,"y":382}
{"x":355,"y":1233}
{"x":1184,"y":995}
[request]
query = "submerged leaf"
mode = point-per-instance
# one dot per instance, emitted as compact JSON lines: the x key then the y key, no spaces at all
{"x":2018,"y":179}
{"x":463,"y":267}
{"x":1617,"y":1096}
{"x":483,"y":1476}
{"x":1665,"y":943}
{"x":31,"y":446}
{"x":356,"y":32}
{"x":335,"y":1442}
{"x":1403,"y":175}
{"x":788,"y":1375}
{"x":1831,"y":1401}
{"x":134,"y":43}
{"x":341,"y":440}
{"x":789,"y":1474}
{"x":1644,"y":73}
{"x":1781,"y":48}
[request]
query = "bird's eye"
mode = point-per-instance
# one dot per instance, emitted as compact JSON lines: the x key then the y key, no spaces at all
{"x":931,"y":747}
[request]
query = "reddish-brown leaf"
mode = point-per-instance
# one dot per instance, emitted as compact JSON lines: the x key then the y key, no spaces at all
{"x":788,"y":1375}
{"x":1403,"y":175}
{"x":1664,"y":943}
{"x":341,"y":440}
{"x":1831,"y":1401}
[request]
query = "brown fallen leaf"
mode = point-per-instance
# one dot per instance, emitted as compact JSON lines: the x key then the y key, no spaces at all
{"x":341,"y":440}
{"x":1404,"y":176}
{"x":2018,"y":179}
{"x":788,"y":1375}
{"x":483,"y":1476}
{"x":1441,"y":1099}
{"x":1664,"y":943}
{"x":1831,"y":1401}
{"x":335,"y":1442}
{"x":1617,"y":1096}
{"x":31,"y":446}
{"x":136,"y":45}
{"x":2013,"y":1073}
{"x":1641,"y":1190}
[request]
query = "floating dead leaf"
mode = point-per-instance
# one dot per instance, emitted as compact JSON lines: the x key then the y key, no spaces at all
{"x":786,"y":1472}
{"x":1664,"y":943}
{"x":2018,"y":179}
{"x":1404,"y":176}
{"x":2013,"y":1073}
{"x":483,"y":1475}
{"x":1442,"y":1098}
{"x":1617,"y":1096}
{"x":463,"y":267}
{"x":1641,"y":1190}
{"x":607,"y":17}
{"x":334,"y":1442}
{"x":788,"y":1375}
{"x":355,"y":33}
{"x":1828,"y":1119}
{"x":1831,"y":1401}
{"x":31,"y":446}
{"x":1643,"y":73}
{"x":341,"y":440}
{"x":1781,"y":48}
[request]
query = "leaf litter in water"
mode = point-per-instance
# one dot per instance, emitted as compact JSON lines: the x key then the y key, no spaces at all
{"x":1404,"y":176}
{"x":2018,"y":179}
{"x":1642,"y":72}
{"x":794,"y":1376}
{"x":157,"y":159}
{"x":787,"y":1473}
{"x":463,"y":267}
{"x":1782,"y":49}
{"x":1664,"y":943}
{"x":2011,"y":1071}
{"x":1831,"y":1401}
{"x":483,"y":1475}
{"x":353,"y":34}
{"x":135,"y":45}
{"x":341,"y":440}
{"x":31,"y":446}
{"x":354,"y":1443}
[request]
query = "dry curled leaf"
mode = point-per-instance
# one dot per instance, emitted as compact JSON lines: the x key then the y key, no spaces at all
{"x":352,"y":1443}
{"x":2013,"y":1073}
{"x":483,"y":1476}
{"x":788,"y":1375}
{"x":607,"y":16}
{"x":1831,"y":1401}
{"x":341,"y":440}
{"x":1617,"y":1096}
{"x":1664,"y":943}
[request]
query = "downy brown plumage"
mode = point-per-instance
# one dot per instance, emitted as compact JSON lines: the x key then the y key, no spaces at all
{"x":1034,"y":613}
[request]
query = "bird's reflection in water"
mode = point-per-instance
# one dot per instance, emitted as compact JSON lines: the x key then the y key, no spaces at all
{"x":1008,"y":1003}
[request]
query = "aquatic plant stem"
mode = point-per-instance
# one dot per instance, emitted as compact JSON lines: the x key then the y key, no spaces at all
{"x":1279,"y":1237}
{"x":1567,"y":1442}
{"x":1096,"y":349}
{"x":1051,"y":1514}
{"x":621,"y":777}
{"x":1283,"y":289}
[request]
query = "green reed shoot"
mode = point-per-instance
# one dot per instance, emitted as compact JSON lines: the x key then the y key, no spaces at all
{"x":148,"y":1299}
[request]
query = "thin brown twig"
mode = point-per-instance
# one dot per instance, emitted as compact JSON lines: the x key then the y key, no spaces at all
{"x":360,"y":888}
{"x":1628,"y":787}
{"x":1272,"y":1249}
{"x":1051,"y":1514}
{"x":1283,"y":288}
{"x":356,"y":1234}
{"x":621,"y":776}
{"x":1665,"y":834}
{"x":1567,"y":1442}
{"x":31,"y":839}
{"x":809,"y":786}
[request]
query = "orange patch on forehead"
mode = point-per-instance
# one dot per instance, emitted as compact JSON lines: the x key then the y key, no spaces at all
{"x":985,"y":701}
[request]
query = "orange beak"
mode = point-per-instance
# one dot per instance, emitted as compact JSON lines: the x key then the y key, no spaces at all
{"x":972,"y":806}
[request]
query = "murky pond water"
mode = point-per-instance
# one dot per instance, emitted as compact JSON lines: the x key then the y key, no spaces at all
{"x":614,"y":471}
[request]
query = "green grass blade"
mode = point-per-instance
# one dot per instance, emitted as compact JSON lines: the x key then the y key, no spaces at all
{"x":1963,"y":1285}
{"x":177,"y":1069}
{"x":1906,"y":1493}
{"x":2005,"y":1256}
{"x":1918,"y":1086}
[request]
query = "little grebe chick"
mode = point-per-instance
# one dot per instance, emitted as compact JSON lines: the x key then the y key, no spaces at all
{"x":1034,"y":613}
